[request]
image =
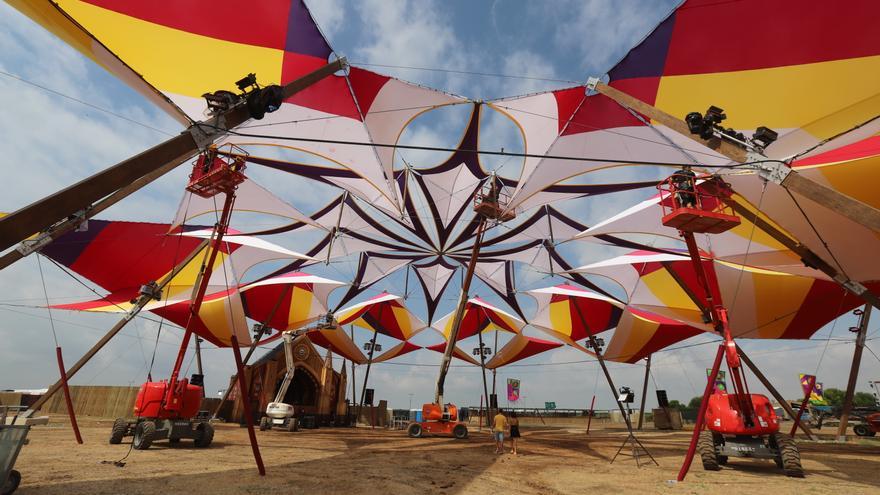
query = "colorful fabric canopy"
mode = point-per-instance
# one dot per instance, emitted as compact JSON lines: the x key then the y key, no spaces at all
{"x":479,"y":316}
{"x":122,"y":256}
{"x":520,"y":347}
{"x":385,"y":314}
{"x":571,"y":314}
{"x":289,"y":301}
{"x":400,"y":349}
{"x":761,"y":303}
{"x":336,"y":340}
{"x":639,"y":334}
{"x":636,"y":333}
{"x":457,"y":353}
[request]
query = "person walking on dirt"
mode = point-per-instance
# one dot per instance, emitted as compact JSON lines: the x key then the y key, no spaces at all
{"x":514,"y":431}
{"x":499,"y":425}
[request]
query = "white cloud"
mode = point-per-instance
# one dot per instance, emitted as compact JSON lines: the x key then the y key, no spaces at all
{"x":329,"y":15}
{"x":413,"y":33}
{"x":597,"y":32}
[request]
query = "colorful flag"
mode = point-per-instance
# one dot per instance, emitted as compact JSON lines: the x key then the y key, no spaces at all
{"x":512,"y":390}
{"x":720,"y":381}
{"x":817,"y":397}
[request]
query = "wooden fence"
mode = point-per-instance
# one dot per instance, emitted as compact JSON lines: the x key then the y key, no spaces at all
{"x":100,"y":401}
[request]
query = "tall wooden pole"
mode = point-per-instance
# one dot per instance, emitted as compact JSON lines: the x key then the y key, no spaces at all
{"x":701,"y":415}
{"x":70,"y":412}
{"x":199,"y":355}
{"x":353,"y":389}
{"x":483,"y":368}
{"x":246,"y":406}
{"x":601,"y":359}
{"x":370,"y":360}
{"x":854,"y":373}
{"x":644,"y":391}
{"x":367,"y":374}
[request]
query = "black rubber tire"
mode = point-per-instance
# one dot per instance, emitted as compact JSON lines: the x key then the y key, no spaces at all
{"x":718,"y":439}
{"x":460,"y":431}
{"x":11,"y":483}
{"x":120,"y":427}
{"x":863,"y":431}
{"x":204,"y":435}
{"x":706,"y":449}
{"x":414,"y":430}
{"x":174,"y":441}
{"x":790,"y":456}
{"x":292,"y":424}
{"x":264,"y":423}
{"x":143,"y":435}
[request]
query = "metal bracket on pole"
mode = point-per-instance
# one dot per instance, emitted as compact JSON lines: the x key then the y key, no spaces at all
{"x":30,"y":246}
{"x":770,"y":170}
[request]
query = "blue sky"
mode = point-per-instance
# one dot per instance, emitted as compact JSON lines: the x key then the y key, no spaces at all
{"x":51,"y":141}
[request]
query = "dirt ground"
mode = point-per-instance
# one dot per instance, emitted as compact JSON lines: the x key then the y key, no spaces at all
{"x":550,"y":461}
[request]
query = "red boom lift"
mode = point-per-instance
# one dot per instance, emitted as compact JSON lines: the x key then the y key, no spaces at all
{"x":169,"y":408}
{"x":739,"y":424}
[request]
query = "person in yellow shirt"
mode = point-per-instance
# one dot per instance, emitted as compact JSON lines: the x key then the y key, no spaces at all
{"x":499,"y":425}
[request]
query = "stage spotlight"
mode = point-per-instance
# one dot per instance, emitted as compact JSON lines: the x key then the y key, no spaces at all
{"x":695,"y":122}
{"x":764,"y":137}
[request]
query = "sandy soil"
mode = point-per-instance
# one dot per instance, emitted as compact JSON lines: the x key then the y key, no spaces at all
{"x":550,"y":461}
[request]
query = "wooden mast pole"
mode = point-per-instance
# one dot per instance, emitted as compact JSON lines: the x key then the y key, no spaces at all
{"x":68,"y":208}
{"x":644,"y":391}
{"x":854,"y":373}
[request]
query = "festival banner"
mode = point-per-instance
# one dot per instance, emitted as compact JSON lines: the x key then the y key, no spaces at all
{"x":512,"y":390}
{"x":720,"y":381}
{"x":817,"y":396}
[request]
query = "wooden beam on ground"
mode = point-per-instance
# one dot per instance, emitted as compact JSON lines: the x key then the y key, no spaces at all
{"x":773,"y":170}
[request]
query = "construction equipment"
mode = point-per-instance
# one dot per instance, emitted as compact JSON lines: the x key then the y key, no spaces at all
{"x":13,"y":436}
{"x":279,"y":413}
{"x":168,"y":409}
{"x":870,"y":427}
{"x":490,"y":204}
{"x":739,"y":424}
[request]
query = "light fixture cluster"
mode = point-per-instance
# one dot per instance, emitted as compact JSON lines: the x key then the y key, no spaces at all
{"x":708,"y":126}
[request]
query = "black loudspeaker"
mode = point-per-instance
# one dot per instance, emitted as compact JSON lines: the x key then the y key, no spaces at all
{"x":493,"y":401}
{"x":368,"y":398}
{"x":662,"y":399}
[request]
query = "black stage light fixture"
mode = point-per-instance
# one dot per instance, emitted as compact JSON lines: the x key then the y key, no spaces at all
{"x":695,"y":122}
{"x":246,"y":82}
{"x":764,"y":137}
